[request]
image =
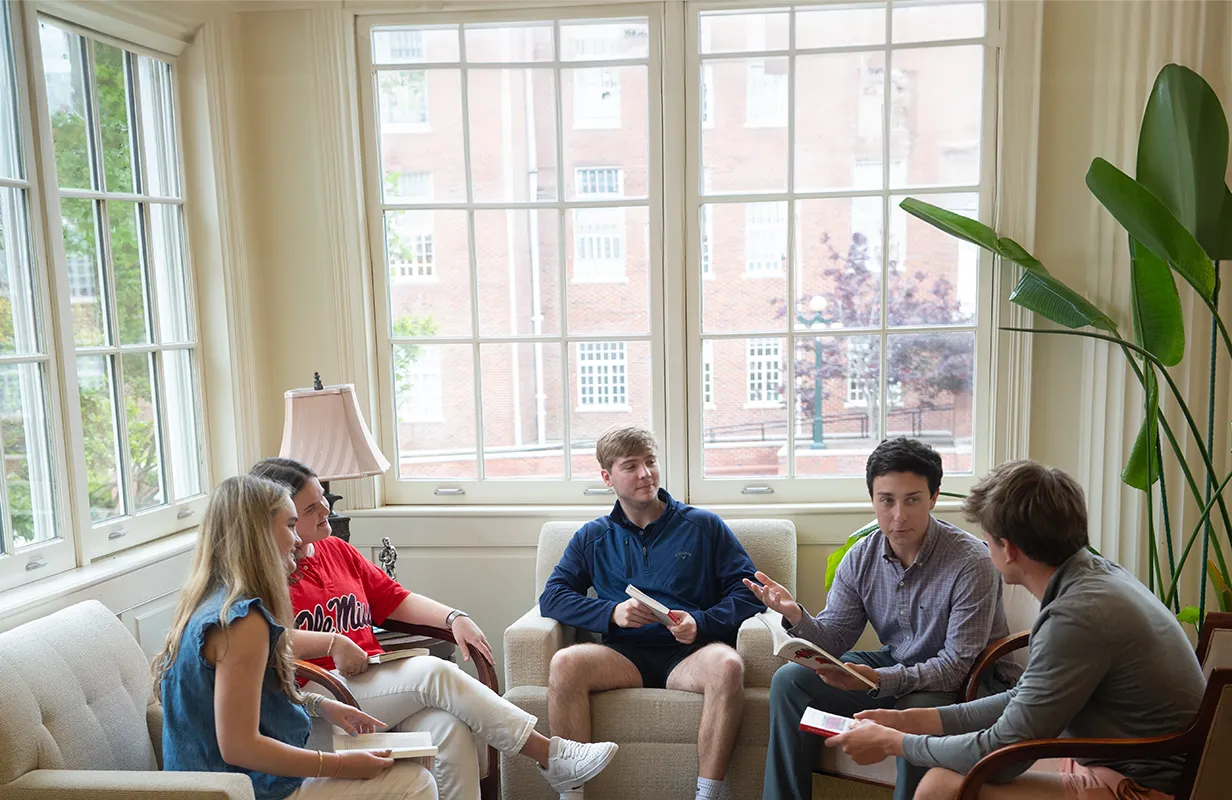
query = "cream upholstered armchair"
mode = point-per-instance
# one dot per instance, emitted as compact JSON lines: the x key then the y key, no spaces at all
{"x":655,"y":728}
{"x":78,"y":719}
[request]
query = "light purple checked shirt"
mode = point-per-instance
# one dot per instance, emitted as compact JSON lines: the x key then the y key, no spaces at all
{"x":935,"y":616}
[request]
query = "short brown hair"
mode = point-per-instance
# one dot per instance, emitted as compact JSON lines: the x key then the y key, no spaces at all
{"x":619,"y":441}
{"x":1040,"y":509}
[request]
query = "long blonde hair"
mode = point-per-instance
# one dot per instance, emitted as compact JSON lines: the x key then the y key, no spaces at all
{"x":236,"y":552}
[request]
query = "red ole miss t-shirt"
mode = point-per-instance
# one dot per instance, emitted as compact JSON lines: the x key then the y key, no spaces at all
{"x":337,"y":590}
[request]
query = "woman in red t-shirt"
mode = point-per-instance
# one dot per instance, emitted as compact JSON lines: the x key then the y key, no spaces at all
{"x":337,"y":595}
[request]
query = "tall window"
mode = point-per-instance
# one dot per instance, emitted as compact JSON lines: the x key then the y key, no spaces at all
{"x":876,"y":313}
{"x":120,"y":198}
{"x":571,"y":270}
{"x":536,"y":323}
{"x":602,"y":371}
{"x":765,"y":372}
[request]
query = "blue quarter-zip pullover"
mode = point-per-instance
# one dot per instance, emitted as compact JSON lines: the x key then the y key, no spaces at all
{"x":688,"y":559}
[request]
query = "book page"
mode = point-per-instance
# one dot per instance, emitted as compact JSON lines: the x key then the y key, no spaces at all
{"x":404,"y":744}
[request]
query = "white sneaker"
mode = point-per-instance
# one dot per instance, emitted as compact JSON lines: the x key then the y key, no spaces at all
{"x":571,"y":764}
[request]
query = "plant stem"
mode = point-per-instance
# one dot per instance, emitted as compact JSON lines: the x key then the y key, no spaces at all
{"x":1210,"y":446}
{"x":1163,"y":505}
{"x":1189,"y":543}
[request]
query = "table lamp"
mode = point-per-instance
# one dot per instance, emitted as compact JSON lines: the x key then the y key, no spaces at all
{"x":324,"y":430}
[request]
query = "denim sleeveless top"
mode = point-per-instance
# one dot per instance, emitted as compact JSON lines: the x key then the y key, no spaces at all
{"x":190,"y":736}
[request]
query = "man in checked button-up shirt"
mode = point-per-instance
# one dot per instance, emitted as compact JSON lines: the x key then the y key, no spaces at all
{"x":933,"y":597}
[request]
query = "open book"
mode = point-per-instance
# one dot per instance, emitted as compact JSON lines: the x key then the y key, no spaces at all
{"x":661,"y":612}
{"x":395,"y":655}
{"x":414,"y":745}
{"x":800,"y":651}
{"x":824,"y":723}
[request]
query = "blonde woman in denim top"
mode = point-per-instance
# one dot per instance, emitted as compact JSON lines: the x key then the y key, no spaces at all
{"x":226,"y":674}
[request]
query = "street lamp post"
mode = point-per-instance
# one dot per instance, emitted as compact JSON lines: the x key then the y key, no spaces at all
{"x":817,"y":307}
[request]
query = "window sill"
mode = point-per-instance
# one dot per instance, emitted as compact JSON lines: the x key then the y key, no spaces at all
{"x":14,"y":601}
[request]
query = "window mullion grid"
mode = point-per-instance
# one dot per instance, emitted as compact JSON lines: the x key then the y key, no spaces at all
{"x":887,"y":128}
{"x":471,"y":254}
{"x":793,"y":264}
{"x":562,"y":268}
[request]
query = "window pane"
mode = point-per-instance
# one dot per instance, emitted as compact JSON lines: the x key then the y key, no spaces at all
{"x":28,"y":468}
{"x":512,"y":134}
{"x":609,"y":270}
{"x":925,"y":22}
{"x":743,"y":31}
{"x":415,"y":44}
{"x":519,"y":278}
{"x":749,"y":259}
{"x":745,"y":432}
{"x":937,"y":374}
{"x":847,"y":26}
{"x":180,"y":397}
{"x":429,"y":272}
{"x":160,"y":153}
{"x":111,"y":82}
{"x":434,"y":393}
{"x":145,"y":464}
{"x":746,"y":150}
{"x":838,"y":397}
{"x":87,"y":290}
{"x":839,"y":121}
{"x":938,"y":282}
{"x":606,"y":124}
{"x":96,"y":383}
{"x":66,"y":103}
{"x":610,"y":384}
{"x":167,"y":255}
{"x":937,"y":114}
{"x":839,"y":277}
{"x":420,"y":115}
{"x":12,"y":164}
{"x":509,"y":42}
{"x":592,"y":40}
{"x":523,"y":433}
{"x":129,"y":270}
{"x":18,"y":332}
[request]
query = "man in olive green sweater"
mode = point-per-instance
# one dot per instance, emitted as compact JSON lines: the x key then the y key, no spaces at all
{"x":1106,"y":660}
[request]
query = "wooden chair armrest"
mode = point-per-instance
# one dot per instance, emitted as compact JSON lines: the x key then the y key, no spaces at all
{"x":307,"y":671}
{"x":485,"y":668}
{"x":1111,"y":749}
{"x":987,"y":657}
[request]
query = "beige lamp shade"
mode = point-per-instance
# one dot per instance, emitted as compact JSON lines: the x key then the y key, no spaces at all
{"x":324,"y":429}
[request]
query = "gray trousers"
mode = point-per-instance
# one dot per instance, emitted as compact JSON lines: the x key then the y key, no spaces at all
{"x":793,"y":753}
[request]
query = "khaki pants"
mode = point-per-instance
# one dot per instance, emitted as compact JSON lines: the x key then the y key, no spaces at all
{"x":402,"y":781}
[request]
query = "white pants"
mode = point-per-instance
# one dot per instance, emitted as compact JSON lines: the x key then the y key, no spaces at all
{"x":403,"y":781}
{"x":430,"y":694}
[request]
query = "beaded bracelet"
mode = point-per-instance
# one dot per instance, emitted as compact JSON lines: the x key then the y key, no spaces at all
{"x":312,"y":703}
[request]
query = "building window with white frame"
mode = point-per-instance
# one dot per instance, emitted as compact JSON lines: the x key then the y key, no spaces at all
{"x":420,"y":388}
{"x":599,"y":233}
{"x":708,"y":373}
{"x":406,"y":45}
{"x":411,"y":235}
{"x":706,"y":95}
{"x":403,"y":100}
{"x":766,"y":93}
{"x":596,"y":98}
{"x":602,"y":372}
{"x":706,"y":232}
{"x":765,"y":372}
{"x":765,"y":238}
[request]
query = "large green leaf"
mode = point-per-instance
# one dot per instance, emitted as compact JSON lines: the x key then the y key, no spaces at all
{"x":1223,"y":593}
{"x":1150,"y":222}
{"x":1189,"y":614}
{"x":1142,"y":469}
{"x":1159,"y":323}
{"x":1056,"y":302}
{"x":1224,"y":248}
{"x":836,"y":557}
{"x":965,"y":228}
{"x":1183,"y":153}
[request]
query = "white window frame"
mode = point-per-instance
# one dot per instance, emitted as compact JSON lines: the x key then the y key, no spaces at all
{"x":419,"y":229}
{"x":602,"y":376}
{"x":573,"y":488}
{"x":987,"y":441}
{"x":599,"y":248}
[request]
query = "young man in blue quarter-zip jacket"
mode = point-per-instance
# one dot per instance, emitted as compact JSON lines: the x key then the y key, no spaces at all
{"x":688,"y":560}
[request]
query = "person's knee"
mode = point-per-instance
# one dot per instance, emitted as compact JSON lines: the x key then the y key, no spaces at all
{"x":726,"y":671}
{"x":569,"y":668}
{"x":785,"y":687}
{"x":938,"y":784}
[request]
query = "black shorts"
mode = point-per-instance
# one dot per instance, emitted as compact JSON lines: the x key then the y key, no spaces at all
{"x":655,"y":663}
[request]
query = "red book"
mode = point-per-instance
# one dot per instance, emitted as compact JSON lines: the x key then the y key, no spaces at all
{"x":823,"y":723}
